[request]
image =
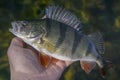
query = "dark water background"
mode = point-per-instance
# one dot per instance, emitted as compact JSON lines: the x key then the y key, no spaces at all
{"x":95,"y":15}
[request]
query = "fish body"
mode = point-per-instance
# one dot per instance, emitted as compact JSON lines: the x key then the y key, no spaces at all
{"x":65,"y":44}
{"x":58,"y":34}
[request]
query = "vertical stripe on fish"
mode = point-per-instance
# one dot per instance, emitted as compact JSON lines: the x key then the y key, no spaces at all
{"x":77,"y":39}
{"x":62,"y":34}
{"x":48,"y":26}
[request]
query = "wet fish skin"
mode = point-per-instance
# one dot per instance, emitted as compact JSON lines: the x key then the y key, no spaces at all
{"x":56,"y":39}
{"x":61,"y":37}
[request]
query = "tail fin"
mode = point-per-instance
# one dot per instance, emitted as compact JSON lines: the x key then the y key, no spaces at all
{"x":107,"y":66}
{"x":87,"y":66}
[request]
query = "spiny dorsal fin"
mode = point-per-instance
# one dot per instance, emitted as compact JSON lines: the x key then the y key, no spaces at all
{"x":62,"y":15}
{"x":98,"y":41}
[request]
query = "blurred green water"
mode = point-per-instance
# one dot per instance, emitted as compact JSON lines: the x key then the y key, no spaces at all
{"x":95,"y":15}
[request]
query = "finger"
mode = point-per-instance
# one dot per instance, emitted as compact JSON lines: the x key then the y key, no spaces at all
{"x":56,"y":61}
{"x":54,"y":71}
{"x":17,"y":42}
{"x":68,"y":63}
{"x":22,"y":59}
{"x":58,"y":67}
{"x":60,"y":64}
{"x":36,"y":53}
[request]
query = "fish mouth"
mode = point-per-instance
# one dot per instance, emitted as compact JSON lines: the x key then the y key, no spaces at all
{"x":16,"y":29}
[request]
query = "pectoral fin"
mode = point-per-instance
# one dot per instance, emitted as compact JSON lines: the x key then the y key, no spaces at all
{"x":87,"y":66}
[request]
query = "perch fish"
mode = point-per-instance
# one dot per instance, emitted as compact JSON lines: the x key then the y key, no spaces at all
{"x":59,"y":34}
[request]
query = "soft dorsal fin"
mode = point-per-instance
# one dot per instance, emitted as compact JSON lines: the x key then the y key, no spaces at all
{"x":62,"y":15}
{"x":98,"y":41}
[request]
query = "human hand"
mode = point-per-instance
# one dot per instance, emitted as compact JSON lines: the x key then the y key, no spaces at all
{"x":25,"y":65}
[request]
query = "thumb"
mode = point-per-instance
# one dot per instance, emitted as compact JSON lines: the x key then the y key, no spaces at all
{"x":54,"y":71}
{"x":17,"y":42}
{"x":22,"y":59}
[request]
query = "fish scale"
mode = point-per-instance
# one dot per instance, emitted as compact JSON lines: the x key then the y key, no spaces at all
{"x":59,"y":34}
{"x":55,"y":35}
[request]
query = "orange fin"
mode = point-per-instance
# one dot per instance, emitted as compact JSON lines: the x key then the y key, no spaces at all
{"x":107,"y":66}
{"x":102,"y":72}
{"x":45,"y":60}
{"x":54,"y":60}
{"x":87,"y":66}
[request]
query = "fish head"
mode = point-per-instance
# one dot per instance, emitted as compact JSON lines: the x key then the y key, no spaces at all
{"x":27,"y":30}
